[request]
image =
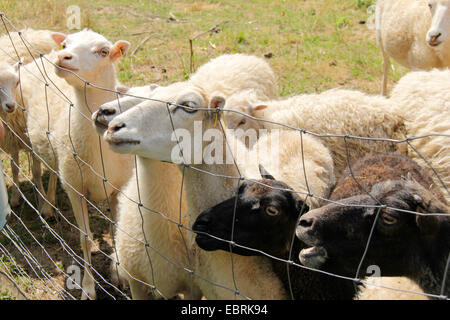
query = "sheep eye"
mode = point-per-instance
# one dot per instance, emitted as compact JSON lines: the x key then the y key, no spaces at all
{"x":104,"y":52}
{"x":430,"y":6}
{"x":190,"y":108}
{"x":388,"y":219}
{"x":243,"y":121}
{"x":62,"y":46}
{"x":272,"y":211}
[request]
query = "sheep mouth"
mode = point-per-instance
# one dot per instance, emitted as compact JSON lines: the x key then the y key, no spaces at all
{"x":313,"y":257}
{"x":99,"y":124}
{"x":204,"y":239}
{"x":63,"y":67}
{"x":121,"y":142}
{"x":206,"y":242}
{"x":434,"y":44}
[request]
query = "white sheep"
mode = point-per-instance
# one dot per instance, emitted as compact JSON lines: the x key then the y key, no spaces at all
{"x":108,"y":111}
{"x":72,"y":147}
{"x":227,"y":75}
{"x":220,"y":74}
{"x":126,"y":134}
{"x":333,"y":112}
{"x":9,"y":81}
{"x":35,"y":43}
{"x":423,"y":99}
{"x":413,"y":32}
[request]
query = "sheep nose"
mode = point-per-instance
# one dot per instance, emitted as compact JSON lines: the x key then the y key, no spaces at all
{"x":10,"y":106}
{"x":201,"y":224}
{"x":116,"y":127}
{"x":306,"y":222}
{"x":106,"y":112}
{"x":64,"y":57}
{"x":434,"y":39}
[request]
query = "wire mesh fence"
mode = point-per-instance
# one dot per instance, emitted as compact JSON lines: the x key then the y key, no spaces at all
{"x":42,"y":254}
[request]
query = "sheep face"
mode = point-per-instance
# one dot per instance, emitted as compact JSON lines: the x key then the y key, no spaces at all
{"x":338,"y":234}
{"x":239,"y":106}
{"x":108,"y":111}
{"x":440,"y":25}
{"x":9,"y":81}
{"x":152,"y":128}
{"x":264,"y":220}
{"x":87,"y":54}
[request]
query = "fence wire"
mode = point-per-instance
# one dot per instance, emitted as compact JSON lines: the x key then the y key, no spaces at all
{"x":37,"y":251}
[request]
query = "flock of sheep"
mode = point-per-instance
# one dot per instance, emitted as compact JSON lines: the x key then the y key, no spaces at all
{"x":352,"y":173}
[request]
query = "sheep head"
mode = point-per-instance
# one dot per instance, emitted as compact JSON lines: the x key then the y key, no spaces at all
{"x":88,"y":55}
{"x":9,"y":82}
{"x":440,"y":24}
{"x":130,"y":98}
{"x":338,"y":232}
{"x":169,"y":127}
{"x":262,"y":216}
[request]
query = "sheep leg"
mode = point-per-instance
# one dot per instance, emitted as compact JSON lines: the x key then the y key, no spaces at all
{"x":139,"y":291}
{"x":195,"y":294}
{"x":113,"y":203}
{"x":44,"y":208}
{"x":80,"y":211}
{"x":14,"y":201}
{"x":51,"y":189}
{"x":386,"y":65}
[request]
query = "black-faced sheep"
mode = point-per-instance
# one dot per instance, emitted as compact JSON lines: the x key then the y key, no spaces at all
{"x":402,"y":243}
{"x":265,"y":214}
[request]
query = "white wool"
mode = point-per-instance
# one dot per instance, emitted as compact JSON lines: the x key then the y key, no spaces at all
{"x":333,"y":112}
{"x":288,"y":155}
{"x":35,"y":42}
{"x":423,"y":99}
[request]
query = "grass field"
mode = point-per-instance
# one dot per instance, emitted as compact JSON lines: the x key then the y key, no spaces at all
{"x":312,"y":45}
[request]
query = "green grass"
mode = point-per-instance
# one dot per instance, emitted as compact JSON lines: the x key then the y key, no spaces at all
{"x":12,"y":268}
{"x":5,"y":295}
{"x":315,"y":45}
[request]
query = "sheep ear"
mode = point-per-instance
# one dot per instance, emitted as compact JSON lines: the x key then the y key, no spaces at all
{"x":265,"y":174}
{"x":252,"y":109}
{"x":217,"y":102}
{"x":58,"y":37}
{"x":122,"y":88}
{"x":118,"y":49}
{"x":260,"y":107}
